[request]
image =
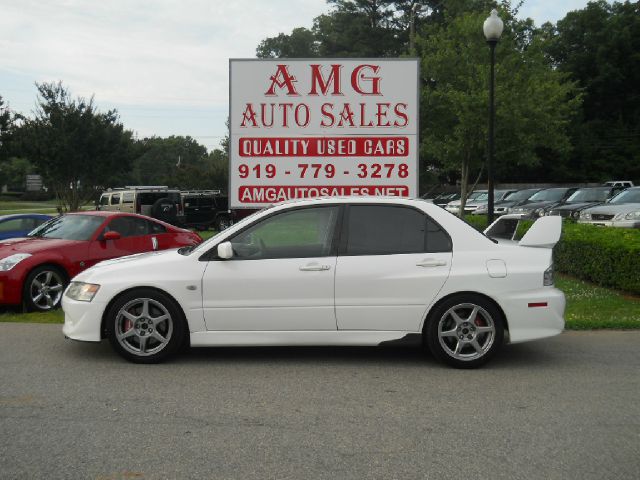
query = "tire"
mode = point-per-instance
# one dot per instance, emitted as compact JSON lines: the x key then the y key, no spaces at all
{"x":166,"y":210}
{"x":145,"y":336}
{"x":465,"y":331}
{"x":43,"y":288}
{"x":223,"y":222}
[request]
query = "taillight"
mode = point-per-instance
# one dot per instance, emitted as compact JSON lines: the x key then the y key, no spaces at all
{"x":547,"y":280}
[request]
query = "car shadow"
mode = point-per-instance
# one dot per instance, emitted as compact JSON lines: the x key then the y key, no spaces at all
{"x":413,"y":356}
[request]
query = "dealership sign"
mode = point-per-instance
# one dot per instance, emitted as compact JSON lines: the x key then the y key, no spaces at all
{"x":309,"y":128}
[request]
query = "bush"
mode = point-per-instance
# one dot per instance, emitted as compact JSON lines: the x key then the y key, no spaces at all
{"x":605,"y":256}
{"x":36,"y":196}
{"x":479,"y":222}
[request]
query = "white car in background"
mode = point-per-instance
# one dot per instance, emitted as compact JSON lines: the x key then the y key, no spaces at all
{"x":623,"y":211}
{"x":477,"y":199}
{"x":331,"y":271}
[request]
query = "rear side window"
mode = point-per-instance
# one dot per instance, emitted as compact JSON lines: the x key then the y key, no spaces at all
{"x":127,"y":197}
{"x":389,"y":230}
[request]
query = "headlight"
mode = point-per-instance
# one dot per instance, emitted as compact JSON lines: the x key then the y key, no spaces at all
{"x":575,"y":215}
{"x":619,"y":216}
{"x":547,"y":279}
{"x":11,"y":261}
{"x":585,"y":216}
{"x":633,"y":215}
{"x":83,"y":292}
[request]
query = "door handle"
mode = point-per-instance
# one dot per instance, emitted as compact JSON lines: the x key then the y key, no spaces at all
{"x":431,"y":262}
{"x":314,"y":267}
{"x":154,"y":243}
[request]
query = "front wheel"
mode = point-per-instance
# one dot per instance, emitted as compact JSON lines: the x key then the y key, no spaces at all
{"x":145,"y":326}
{"x":465,"y":331}
{"x":43,"y":288}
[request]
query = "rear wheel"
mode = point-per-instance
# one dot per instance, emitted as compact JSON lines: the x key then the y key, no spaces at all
{"x":145,"y":326}
{"x":166,"y":210}
{"x":465,"y":331}
{"x":43,"y":288}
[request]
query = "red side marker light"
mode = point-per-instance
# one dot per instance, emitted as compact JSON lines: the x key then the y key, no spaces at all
{"x":537,"y":304}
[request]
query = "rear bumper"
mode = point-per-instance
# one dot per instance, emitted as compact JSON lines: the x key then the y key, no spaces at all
{"x":534,"y":314}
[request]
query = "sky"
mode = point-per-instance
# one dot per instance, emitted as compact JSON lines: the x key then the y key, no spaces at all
{"x":163,"y":64}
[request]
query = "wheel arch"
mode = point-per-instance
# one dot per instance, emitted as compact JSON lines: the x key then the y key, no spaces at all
{"x":463,"y":293}
{"x":145,"y":287}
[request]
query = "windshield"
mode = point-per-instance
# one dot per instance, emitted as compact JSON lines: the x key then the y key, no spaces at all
{"x":519,"y":195}
{"x":211,"y":241}
{"x":628,"y":196}
{"x":69,"y":227}
{"x":549,"y":195}
{"x":477,"y":195}
{"x":589,"y":195}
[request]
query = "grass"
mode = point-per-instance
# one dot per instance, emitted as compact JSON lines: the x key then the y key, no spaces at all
{"x":10,"y":207}
{"x":590,"y":307}
{"x":16,"y":316}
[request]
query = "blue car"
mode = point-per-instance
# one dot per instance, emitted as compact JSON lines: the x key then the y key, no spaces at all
{"x":20,"y":224}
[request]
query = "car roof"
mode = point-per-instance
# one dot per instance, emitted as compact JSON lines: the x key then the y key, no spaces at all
{"x":24,"y":215}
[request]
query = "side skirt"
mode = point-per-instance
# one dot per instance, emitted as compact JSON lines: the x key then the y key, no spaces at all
{"x":294,"y":338}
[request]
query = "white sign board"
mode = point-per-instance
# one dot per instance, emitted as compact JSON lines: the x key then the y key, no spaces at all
{"x":322,"y":127}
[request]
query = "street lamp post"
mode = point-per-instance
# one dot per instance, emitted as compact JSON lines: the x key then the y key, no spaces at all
{"x":492,"y":29}
{"x":412,"y":28}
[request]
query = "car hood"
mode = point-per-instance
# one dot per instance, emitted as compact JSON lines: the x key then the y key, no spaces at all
{"x":536,"y":205}
{"x":612,"y":209}
{"x":136,"y":262}
{"x":34,"y":245}
{"x":576,"y":206}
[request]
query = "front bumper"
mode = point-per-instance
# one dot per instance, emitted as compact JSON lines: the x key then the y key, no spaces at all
{"x":82,"y":320}
{"x":613,"y":223}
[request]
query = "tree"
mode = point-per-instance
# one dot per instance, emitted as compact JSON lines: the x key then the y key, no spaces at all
{"x":13,"y":173}
{"x":300,"y":44}
{"x":6,"y":128}
{"x":599,"y":47}
{"x":73,"y":146}
{"x":533,"y":108}
{"x":160,"y":160}
{"x":180,"y":162}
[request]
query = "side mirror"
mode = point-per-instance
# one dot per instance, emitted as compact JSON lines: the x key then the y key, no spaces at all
{"x":111,"y":235}
{"x":225,"y":250}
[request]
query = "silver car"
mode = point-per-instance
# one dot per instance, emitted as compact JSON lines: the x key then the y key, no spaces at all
{"x":623,"y":211}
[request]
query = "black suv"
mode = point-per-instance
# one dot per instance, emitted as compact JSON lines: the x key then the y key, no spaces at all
{"x":206,"y":208}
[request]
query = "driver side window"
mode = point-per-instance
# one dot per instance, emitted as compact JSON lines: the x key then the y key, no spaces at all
{"x":299,"y":233}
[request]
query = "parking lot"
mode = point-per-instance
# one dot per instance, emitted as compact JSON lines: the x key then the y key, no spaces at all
{"x":561,"y":408}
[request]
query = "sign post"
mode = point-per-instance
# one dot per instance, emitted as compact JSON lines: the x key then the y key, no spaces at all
{"x":322,"y":127}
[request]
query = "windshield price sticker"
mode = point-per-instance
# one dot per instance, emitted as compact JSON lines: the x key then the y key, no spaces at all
{"x":308,"y":128}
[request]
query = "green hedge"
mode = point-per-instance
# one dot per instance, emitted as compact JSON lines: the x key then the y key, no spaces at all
{"x":603,"y":255}
{"x":606,"y":256}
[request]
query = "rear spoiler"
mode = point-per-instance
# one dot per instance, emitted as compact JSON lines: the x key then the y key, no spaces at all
{"x":544,"y":233}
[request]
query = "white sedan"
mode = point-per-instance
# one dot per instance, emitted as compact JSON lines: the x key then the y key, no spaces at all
{"x":331,"y":271}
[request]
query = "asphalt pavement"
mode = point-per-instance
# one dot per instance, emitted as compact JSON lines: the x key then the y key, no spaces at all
{"x":562,"y":408}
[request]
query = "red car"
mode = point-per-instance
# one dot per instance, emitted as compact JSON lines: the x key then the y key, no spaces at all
{"x":35,"y":270}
